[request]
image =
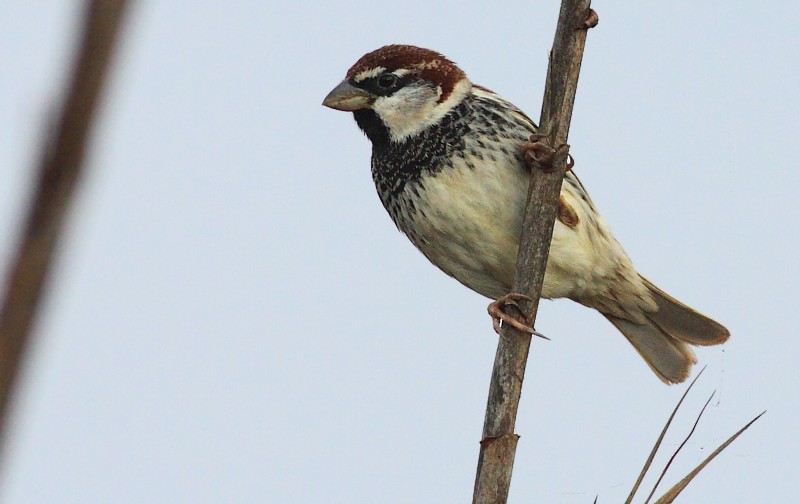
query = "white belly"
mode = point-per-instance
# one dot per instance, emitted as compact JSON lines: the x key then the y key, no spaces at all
{"x":468,"y":223}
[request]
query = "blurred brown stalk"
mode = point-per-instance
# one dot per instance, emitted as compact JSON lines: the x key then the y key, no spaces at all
{"x":59,"y":169}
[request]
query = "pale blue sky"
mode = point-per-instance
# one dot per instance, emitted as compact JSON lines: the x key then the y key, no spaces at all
{"x":235,"y":319}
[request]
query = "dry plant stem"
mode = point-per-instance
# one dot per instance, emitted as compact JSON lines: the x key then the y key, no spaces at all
{"x":58,"y":173}
{"x":499,"y":442}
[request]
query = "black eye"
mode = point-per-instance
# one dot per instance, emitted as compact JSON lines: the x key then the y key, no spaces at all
{"x":387,"y":81}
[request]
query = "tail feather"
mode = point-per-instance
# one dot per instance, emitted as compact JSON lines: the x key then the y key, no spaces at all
{"x":683,"y":323}
{"x":663,"y":340}
{"x":669,"y":358}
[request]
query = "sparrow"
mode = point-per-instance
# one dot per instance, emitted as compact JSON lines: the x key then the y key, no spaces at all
{"x":449,"y":166}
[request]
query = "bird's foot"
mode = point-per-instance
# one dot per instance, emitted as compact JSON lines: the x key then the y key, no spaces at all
{"x":540,"y":155}
{"x":495,"y":310}
{"x":591,"y":19}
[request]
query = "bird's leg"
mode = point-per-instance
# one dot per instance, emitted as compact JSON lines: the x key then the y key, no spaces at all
{"x":495,"y":310}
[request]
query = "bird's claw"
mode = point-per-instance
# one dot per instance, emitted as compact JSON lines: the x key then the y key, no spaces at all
{"x":570,"y":162}
{"x":495,"y":310}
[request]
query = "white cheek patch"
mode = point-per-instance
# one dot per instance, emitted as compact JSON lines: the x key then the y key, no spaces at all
{"x":416,"y":107}
{"x":405,"y":112}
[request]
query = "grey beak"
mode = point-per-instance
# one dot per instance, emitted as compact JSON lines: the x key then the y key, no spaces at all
{"x":347,"y":97}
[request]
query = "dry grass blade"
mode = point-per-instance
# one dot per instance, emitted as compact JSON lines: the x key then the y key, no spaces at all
{"x":672,"y":458}
{"x":673,"y":492}
{"x":653,"y":452}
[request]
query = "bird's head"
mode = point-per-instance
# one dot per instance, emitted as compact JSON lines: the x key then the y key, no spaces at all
{"x":398,"y":91}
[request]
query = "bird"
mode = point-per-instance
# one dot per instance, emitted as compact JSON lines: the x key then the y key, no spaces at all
{"x":448,"y":163}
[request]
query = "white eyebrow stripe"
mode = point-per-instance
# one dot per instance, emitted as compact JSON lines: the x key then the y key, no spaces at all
{"x":368,"y":74}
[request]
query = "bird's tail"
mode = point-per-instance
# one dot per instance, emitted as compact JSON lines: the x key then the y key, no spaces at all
{"x":664,"y":339}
